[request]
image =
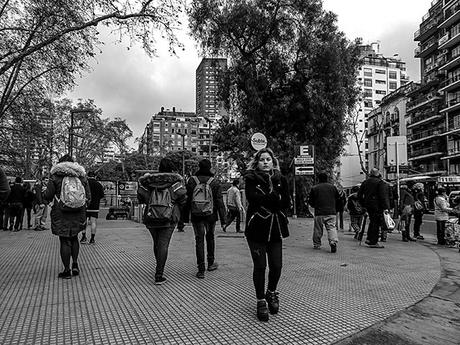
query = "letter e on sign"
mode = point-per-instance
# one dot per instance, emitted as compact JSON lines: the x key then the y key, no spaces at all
{"x":258,"y":141}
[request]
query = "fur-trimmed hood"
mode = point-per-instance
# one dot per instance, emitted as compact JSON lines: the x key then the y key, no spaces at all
{"x":68,"y":169}
{"x":159,"y":180}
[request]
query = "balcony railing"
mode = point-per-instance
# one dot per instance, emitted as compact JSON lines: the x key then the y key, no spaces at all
{"x":451,"y":10}
{"x":424,"y":99}
{"x":426,"y":134}
{"x":424,"y":151}
{"x":450,"y":81}
{"x":424,"y":27}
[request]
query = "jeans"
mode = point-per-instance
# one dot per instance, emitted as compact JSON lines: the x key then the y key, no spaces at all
{"x":204,"y":229}
{"x":375,"y":223}
{"x":233,"y":213}
{"x":15,"y":214}
{"x":418,"y":215}
{"x":441,"y":231}
{"x":328,"y":222}
{"x":161,"y":236}
{"x":259,"y":254}
{"x":40,"y":216}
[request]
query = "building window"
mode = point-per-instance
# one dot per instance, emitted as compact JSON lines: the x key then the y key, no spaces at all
{"x":380,"y":71}
{"x":393,"y":85}
{"x":367,"y":92}
{"x":368,"y":72}
{"x":392,"y":75}
{"x":368,"y":103}
{"x":380,"y":82}
{"x":380,"y":92}
{"x":368,"y":82}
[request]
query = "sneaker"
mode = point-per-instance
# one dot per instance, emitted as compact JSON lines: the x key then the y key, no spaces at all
{"x":262,"y":311}
{"x":200,"y":275}
{"x":273,"y":301}
{"x":83,"y":240}
{"x":160,"y":280}
{"x":65,"y":274}
{"x":375,"y":245}
{"x":316,"y":247}
{"x":75,"y":269}
{"x":333,"y":247}
{"x":213,"y":267}
{"x":420,"y":237}
{"x":91,"y":241}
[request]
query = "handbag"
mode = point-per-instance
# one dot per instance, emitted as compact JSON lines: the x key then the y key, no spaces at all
{"x":389,"y":222}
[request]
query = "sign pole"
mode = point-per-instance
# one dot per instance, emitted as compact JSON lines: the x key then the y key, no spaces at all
{"x":294,"y":213}
{"x":397,"y":173}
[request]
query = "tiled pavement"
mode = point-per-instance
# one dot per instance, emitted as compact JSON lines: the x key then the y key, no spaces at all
{"x":324,"y":297}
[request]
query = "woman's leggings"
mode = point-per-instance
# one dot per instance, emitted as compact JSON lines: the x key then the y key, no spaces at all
{"x":69,"y":248}
{"x":259,"y":253}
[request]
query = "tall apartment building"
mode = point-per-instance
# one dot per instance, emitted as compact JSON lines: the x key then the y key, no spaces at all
{"x":378,"y":76}
{"x":209,"y":75}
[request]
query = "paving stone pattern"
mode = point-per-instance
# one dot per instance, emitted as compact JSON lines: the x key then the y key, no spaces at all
{"x":324,"y":297}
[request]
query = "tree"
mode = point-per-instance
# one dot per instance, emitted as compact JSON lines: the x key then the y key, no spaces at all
{"x":358,"y":137}
{"x":292,"y":74}
{"x":46,"y":44}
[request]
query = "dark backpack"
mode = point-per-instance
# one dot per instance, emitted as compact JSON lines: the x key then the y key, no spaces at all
{"x":354,"y":206}
{"x":202,"y":200}
{"x":160,"y":206}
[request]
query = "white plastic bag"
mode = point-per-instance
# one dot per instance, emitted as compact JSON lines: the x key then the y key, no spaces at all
{"x":389,"y":222}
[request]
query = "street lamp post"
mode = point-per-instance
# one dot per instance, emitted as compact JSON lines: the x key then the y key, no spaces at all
{"x":183,"y":148}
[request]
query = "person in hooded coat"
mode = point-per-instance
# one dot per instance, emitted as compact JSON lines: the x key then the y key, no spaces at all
{"x":67,"y":225}
{"x":162,"y":231}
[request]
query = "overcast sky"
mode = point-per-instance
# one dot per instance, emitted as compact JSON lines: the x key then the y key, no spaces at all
{"x":128,"y":84}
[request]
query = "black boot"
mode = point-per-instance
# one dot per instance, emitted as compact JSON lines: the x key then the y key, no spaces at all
{"x":273,"y":302}
{"x":262,"y":311}
{"x":404,"y":236}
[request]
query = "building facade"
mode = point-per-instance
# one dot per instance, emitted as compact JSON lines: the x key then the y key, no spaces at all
{"x":378,"y":76}
{"x":209,"y":77}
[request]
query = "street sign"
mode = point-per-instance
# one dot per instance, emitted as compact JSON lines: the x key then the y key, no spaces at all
{"x":303,"y":160}
{"x":258,"y":141}
{"x":306,"y":150}
{"x":305,"y":170}
{"x":399,"y":144}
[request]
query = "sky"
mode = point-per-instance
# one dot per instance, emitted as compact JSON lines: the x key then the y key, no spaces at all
{"x":129,"y":84}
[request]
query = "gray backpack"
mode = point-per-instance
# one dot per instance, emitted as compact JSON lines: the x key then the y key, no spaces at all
{"x":202,"y":200}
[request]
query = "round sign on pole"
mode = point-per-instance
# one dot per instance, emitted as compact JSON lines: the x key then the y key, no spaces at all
{"x":258,"y":141}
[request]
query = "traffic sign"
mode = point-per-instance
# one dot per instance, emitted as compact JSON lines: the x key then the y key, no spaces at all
{"x":303,"y":160}
{"x":305,"y":170}
{"x":306,"y":150}
{"x":258,"y":141}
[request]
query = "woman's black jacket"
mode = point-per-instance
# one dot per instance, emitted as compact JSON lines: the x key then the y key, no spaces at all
{"x":266,"y":214}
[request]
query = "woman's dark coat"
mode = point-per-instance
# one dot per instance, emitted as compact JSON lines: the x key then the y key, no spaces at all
{"x":266,"y":214}
{"x":66,"y":224}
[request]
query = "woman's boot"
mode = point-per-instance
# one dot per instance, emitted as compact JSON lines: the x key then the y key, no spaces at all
{"x":273,"y":302}
{"x":262,"y":311}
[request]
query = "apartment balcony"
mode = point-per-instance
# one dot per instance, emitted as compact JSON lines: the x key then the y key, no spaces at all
{"x":430,"y":168}
{"x":450,"y":84}
{"x":427,"y":29}
{"x":426,"y":49}
{"x":422,"y":101}
{"x":453,"y":127}
{"x":424,"y":119}
{"x":451,"y":15}
{"x":426,"y":152}
{"x":452,"y":104}
{"x":425,"y":135}
{"x":450,"y":42}
{"x":451,"y":63}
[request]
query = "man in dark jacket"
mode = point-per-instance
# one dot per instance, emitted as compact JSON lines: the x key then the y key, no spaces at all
{"x":325,"y":199}
{"x":4,"y":193}
{"x":92,"y":211}
{"x":373,"y":194}
{"x":204,"y":225}
{"x":16,"y":204}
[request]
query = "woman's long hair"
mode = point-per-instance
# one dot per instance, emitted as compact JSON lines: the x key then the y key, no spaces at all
{"x":253,"y":164}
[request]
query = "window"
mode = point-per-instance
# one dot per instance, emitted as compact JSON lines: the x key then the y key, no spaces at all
{"x":393,"y":85}
{"x":392,"y":75}
{"x":380,"y":71}
{"x":368,"y":72}
{"x":380,"y":82}
{"x":380,"y":92}
{"x":368,"y":82}
{"x":367,"y":92}
{"x":368,"y":103}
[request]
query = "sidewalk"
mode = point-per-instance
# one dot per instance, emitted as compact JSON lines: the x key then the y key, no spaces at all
{"x":324,"y":298}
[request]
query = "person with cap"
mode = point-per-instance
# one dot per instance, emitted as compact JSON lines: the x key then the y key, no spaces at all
{"x":406,"y":209}
{"x":204,"y":213}
{"x":373,"y":195}
{"x":356,"y":211}
{"x":92,"y":211}
{"x":419,"y":208}
{"x":234,"y":205}
{"x":441,"y":214}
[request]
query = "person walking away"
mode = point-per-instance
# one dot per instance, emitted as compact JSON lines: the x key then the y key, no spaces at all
{"x":420,"y":207}
{"x":39,"y":205}
{"x":92,"y":212}
{"x":234,"y":206}
{"x":441,"y":214}
{"x":206,"y":206}
{"x":268,"y":200}
{"x":69,"y":188}
{"x":374,"y":196}
{"x":406,"y":206}
{"x":4,"y":193}
{"x":356,"y":211}
{"x":29,"y":198}
{"x":163,"y":193}
{"x":16,"y":204}
{"x":325,"y":198}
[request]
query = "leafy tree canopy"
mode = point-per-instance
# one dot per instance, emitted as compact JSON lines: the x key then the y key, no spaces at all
{"x":292,"y":73}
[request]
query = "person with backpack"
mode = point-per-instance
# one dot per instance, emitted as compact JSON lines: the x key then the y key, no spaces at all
{"x":92,"y":212}
{"x":356,"y":212}
{"x":268,"y":199}
{"x":205,"y":205}
{"x":163,"y":193}
{"x":69,"y":188}
{"x":234,"y":205}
